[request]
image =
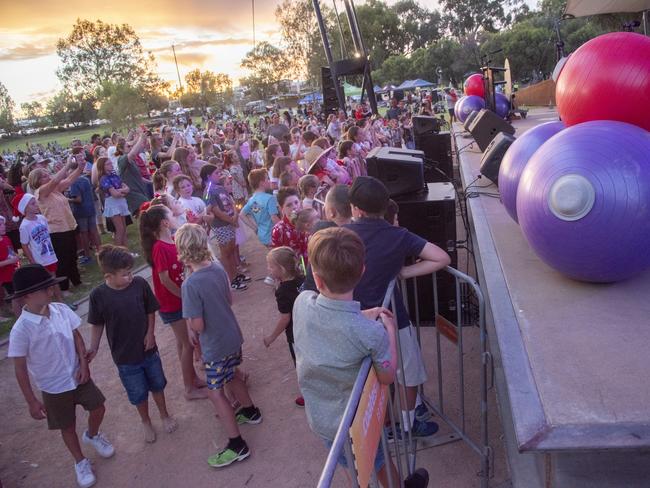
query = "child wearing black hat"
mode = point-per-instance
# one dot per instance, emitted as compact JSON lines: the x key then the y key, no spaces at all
{"x":45,"y":341}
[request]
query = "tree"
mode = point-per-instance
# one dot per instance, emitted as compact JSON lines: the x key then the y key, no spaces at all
{"x":299,"y":28}
{"x":6,"y":110}
{"x":69,"y":108}
{"x":466,"y":18}
{"x":267,"y":65}
{"x":95,"y":53}
{"x":121,"y":104}
{"x":418,"y":25}
{"x":206,"y":89}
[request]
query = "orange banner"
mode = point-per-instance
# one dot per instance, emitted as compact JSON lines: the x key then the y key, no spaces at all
{"x":367,"y":425}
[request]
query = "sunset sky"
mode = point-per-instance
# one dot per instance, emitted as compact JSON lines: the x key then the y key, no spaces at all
{"x":208,"y":34}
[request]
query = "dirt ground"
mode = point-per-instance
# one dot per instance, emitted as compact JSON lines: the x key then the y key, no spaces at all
{"x":285,"y":453}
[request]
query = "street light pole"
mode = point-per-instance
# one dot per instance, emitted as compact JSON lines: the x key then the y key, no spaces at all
{"x":180,"y":85}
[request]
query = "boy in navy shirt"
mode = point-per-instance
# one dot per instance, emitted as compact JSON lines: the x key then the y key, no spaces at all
{"x":387,"y":249}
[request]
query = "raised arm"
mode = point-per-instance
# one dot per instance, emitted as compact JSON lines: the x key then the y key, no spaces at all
{"x":56,"y":180}
{"x":137,"y":147}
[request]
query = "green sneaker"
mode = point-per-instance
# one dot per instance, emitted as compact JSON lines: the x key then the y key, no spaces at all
{"x":228,"y":456}
{"x":253,"y":418}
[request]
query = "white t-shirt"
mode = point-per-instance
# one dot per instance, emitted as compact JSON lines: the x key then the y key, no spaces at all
{"x":194,"y":207}
{"x":110,"y":154}
{"x":48,"y":345}
{"x":36,"y":234}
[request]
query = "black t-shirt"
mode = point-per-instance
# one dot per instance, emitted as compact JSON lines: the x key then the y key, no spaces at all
{"x":124,"y":315}
{"x":285,"y":295}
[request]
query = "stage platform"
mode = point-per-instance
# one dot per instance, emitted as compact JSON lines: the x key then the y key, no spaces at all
{"x":572,"y":359}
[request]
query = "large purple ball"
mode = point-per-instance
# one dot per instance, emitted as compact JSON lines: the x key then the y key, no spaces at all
{"x":466,"y":105}
{"x":584,"y":201}
{"x":516,"y":159}
{"x":502,"y":105}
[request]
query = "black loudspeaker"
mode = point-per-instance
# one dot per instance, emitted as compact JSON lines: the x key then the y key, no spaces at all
{"x":491,"y":160}
{"x":401,"y":170}
{"x":485,"y":126}
{"x":330,"y":101}
{"x":438,"y":166}
{"x":432,"y":215}
{"x":469,"y":119}
{"x":425,"y":124}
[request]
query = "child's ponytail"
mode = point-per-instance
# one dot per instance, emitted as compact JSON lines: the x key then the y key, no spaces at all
{"x":150,"y":221}
{"x":286,"y":258}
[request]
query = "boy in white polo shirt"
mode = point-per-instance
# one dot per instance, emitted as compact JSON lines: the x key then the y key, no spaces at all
{"x":45,"y":341}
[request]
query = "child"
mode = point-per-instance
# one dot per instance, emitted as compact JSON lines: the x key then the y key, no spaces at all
{"x":8,"y":265}
{"x":262,"y":206}
{"x":45,"y":341}
{"x":178,"y":214}
{"x":167,"y":276}
{"x":223,"y":218}
{"x":327,"y":366}
{"x":387,"y":249}
{"x":284,"y":233}
{"x":348,"y":159}
{"x":194,"y":206}
{"x":125,"y":306}
{"x":115,"y":205}
{"x":305,"y":220}
{"x":83,"y":209}
{"x":308,"y":186}
{"x":257,"y":155}
{"x":233,"y":165}
{"x":35,"y":239}
{"x":284,"y":267}
{"x":207,"y":304}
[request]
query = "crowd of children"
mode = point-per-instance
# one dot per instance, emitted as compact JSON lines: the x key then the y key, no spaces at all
{"x":333,"y":248}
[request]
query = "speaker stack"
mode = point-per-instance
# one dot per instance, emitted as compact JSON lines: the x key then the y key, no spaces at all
{"x":432,"y":215}
{"x":330,"y":102}
{"x":436,"y":146}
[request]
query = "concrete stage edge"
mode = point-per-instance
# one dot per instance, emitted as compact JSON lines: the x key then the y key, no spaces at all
{"x":572,"y":360}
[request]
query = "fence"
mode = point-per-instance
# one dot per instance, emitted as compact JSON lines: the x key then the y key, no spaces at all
{"x":367,"y":403}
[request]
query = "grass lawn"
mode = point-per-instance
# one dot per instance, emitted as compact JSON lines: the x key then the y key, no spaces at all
{"x":64,"y":138}
{"x":91,"y":275}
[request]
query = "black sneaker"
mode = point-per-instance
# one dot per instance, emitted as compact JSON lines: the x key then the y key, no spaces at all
{"x":238,"y":285}
{"x":242,"y":278}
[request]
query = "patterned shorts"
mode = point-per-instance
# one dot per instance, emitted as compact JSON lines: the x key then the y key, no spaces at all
{"x":223,"y":235}
{"x":220,"y":372}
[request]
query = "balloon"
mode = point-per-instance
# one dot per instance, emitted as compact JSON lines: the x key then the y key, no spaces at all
{"x":607,"y":78}
{"x":474,"y":85}
{"x":466,"y":105}
{"x":583,"y":201}
{"x":502,"y":105}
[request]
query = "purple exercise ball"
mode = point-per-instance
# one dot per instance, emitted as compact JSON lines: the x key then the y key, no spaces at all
{"x":502,"y":105}
{"x":466,"y":105}
{"x":516,"y":158}
{"x":584,"y":201}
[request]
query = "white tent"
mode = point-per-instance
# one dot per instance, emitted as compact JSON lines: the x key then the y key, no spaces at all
{"x":582,"y":8}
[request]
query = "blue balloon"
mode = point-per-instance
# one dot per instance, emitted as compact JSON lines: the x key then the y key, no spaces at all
{"x":502,"y":105}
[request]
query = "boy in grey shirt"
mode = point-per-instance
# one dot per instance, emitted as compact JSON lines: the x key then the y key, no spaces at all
{"x":333,"y":336}
{"x":207,"y":308}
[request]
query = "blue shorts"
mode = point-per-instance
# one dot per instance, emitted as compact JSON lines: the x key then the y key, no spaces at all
{"x":218,"y":373}
{"x":170,"y":317}
{"x":380,"y":461}
{"x":140,"y":379}
{"x":84,"y":224}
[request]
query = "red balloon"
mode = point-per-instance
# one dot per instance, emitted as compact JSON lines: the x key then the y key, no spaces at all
{"x":607,"y":78}
{"x":474,"y":85}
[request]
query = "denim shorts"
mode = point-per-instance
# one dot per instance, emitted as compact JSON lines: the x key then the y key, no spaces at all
{"x":380,"y":461}
{"x":218,"y":373}
{"x":140,"y":379}
{"x":84,"y":224}
{"x":170,"y":317}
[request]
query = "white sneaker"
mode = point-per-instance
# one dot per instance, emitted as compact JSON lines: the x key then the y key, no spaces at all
{"x":85,"y":475}
{"x":101,"y":444}
{"x":269,"y":281}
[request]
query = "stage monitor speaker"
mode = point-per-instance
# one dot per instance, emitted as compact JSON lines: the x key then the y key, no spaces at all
{"x":438,"y":164}
{"x":330,"y":101}
{"x":469,"y":119}
{"x":491,"y":160}
{"x":485,"y":126}
{"x":401,"y":170}
{"x":425,"y":124}
{"x":432,"y":215}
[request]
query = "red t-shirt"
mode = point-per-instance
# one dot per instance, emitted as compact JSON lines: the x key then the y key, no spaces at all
{"x":6,"y":250}
{"x":165,"y":258}
{"x":284,"y":233}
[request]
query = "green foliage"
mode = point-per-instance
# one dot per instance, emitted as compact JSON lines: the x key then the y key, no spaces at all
{"x":6,"y":110}
{"x":267,"y":65}
{"x":121,"y":104}
{"x":68,"y":108}
{"x":207,"y":89}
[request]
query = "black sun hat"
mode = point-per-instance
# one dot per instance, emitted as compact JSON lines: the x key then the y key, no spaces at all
{"x":30,"y":278}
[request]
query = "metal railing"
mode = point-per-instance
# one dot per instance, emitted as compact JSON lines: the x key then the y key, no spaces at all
{"x":404,"y":444}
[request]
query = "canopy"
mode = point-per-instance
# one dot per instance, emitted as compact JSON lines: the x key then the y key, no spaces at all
{"x":582,"y":8}
{"x":376,"y":89}
{"x":405,"y":85}
{"x":420,"y":83}
{"x":387,"y":88}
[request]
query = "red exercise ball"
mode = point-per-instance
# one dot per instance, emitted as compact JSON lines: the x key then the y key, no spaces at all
{"x":474,"y":85}
{"x":607,"y":78}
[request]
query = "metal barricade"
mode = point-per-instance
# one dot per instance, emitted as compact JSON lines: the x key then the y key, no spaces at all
{"x":404,"y":445}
